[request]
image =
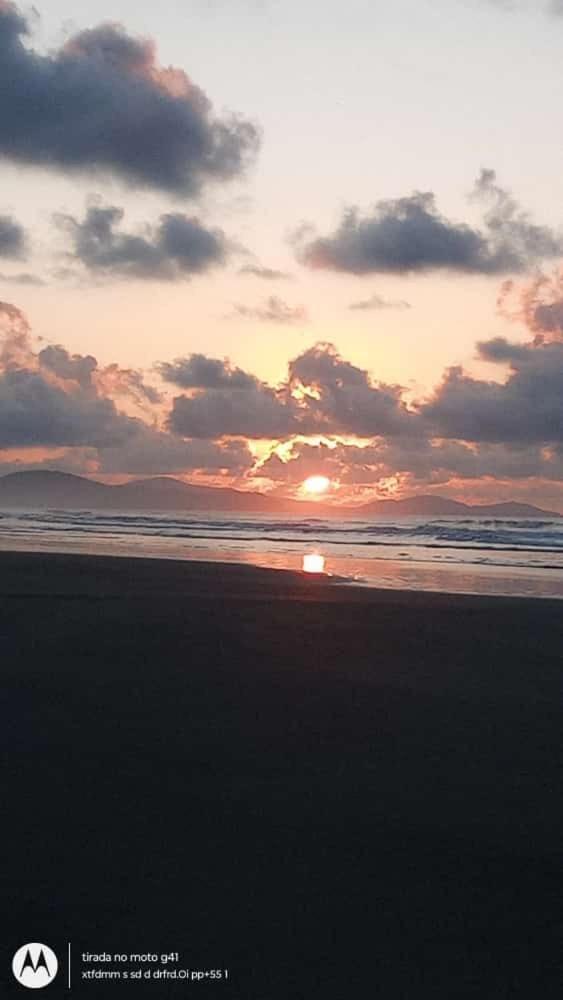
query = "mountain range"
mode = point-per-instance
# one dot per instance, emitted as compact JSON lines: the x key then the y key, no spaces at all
{"x":37,"y":488}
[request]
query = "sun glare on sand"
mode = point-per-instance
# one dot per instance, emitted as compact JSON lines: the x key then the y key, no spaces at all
{"x":313,"y":563}
{"x":316,"y":484}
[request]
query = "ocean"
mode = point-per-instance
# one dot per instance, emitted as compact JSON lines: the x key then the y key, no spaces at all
{"x":450,"y":554}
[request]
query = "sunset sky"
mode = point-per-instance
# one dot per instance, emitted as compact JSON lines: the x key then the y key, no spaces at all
{"x":249,"y":242}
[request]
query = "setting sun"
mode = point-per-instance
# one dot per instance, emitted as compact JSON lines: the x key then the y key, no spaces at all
{"x":316,"y":484}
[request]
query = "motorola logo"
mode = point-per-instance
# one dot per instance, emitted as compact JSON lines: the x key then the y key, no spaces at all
{"x":34,"y":965}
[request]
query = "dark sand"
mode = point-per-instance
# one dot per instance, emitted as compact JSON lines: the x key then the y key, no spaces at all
{"x":335,"y":793}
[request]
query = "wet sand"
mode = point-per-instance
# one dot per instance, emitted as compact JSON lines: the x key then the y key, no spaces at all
{"x":333,"y":792}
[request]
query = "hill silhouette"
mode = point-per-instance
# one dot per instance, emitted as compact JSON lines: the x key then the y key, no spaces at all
{"x":39,"y":488}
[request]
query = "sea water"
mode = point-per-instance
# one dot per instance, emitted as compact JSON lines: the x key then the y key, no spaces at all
{"x":480,"y":555}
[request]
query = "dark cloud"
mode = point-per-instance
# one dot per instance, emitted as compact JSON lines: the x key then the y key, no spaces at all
{"x":344,"y":399}
{"x":409,"y":235}
{"x":111,"y":381}
{"x":177,"y":248}
{"x":273,"y":310}
{"x":440,"y":461}
{"x":102,"y":102}
{"x":77,"y":367}
{"x":201,"y":372}
{"x":323,"y":394}
{"x":33,"y":411}
{"x":527,"y":408}
{"x":515,"y":243}
{"x":399,"y":236}
{"x":145,"y":452}
{"x":377,"y":302}
{"x":548,"y":318}
{"x":539,"y":305}
{"x":12,"y":235}
{"x":499,"y":349}
{"x":150,"y":452}
{"x":267,"y":273}
{"x":55,"y":399}
{"x":256,"y":412}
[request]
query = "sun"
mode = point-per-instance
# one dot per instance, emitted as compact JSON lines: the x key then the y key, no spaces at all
{"x":316,"y":484}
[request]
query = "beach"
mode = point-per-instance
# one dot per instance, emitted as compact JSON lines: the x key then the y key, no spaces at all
{"x":332,"y":792}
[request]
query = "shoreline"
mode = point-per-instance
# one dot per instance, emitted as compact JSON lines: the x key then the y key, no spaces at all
{"x":307,"y":585}
{"x":345,"y":583}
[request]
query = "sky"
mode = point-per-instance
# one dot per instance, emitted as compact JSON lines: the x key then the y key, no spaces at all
{"x":244,"y":243}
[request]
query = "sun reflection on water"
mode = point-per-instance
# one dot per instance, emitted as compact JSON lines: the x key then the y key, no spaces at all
{"x":313,"y":563}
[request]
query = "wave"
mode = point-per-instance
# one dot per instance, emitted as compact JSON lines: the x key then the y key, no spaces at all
{"x":507,"y":535}
{"x":512,"y":534}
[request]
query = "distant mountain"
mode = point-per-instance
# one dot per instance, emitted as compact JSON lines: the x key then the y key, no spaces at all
{"x":514,"y":509}
{"x":36,"y":488}
{"x":166,"y":493}
{"x":50,"y":489}
{"x":435,"y":506}
{"x":66,"y":491}
{"x":415,"y":505}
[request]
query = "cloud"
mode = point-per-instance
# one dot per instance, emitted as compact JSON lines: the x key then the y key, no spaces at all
{"x":34,"y":412}
{"x":469,"y":430}
{"x":225,"y":400}
{"x":548,"y":319}
{"x":201,"y":372}
{"x":151,"y":452}
{"x":76,"y":367}
{"x":255,"y":412}
{"x":272,"y":310}
{"x":15,"y":342}
{"x":12,"y":237}
{"x":301,"y":461}
{"x":342,"y":398}
{"x":409,"y":235}
{"x":515,"y":242}
{"x":22,"y":278}
{"x":114,"y":381}
{"x":415,"y":464}
{"x":53,"y":397}
{"x":57,"y":400}
{"x":266,"y":273}
{"x":499,"y":350}
{"x":111,"y":381}
{"x":527,"y":408}
{"x":539,"y":305}
{"x":177,"y":248}
{"x":103,"y":103}
{"x":377,"y":302}
{"x":323,"y":394}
